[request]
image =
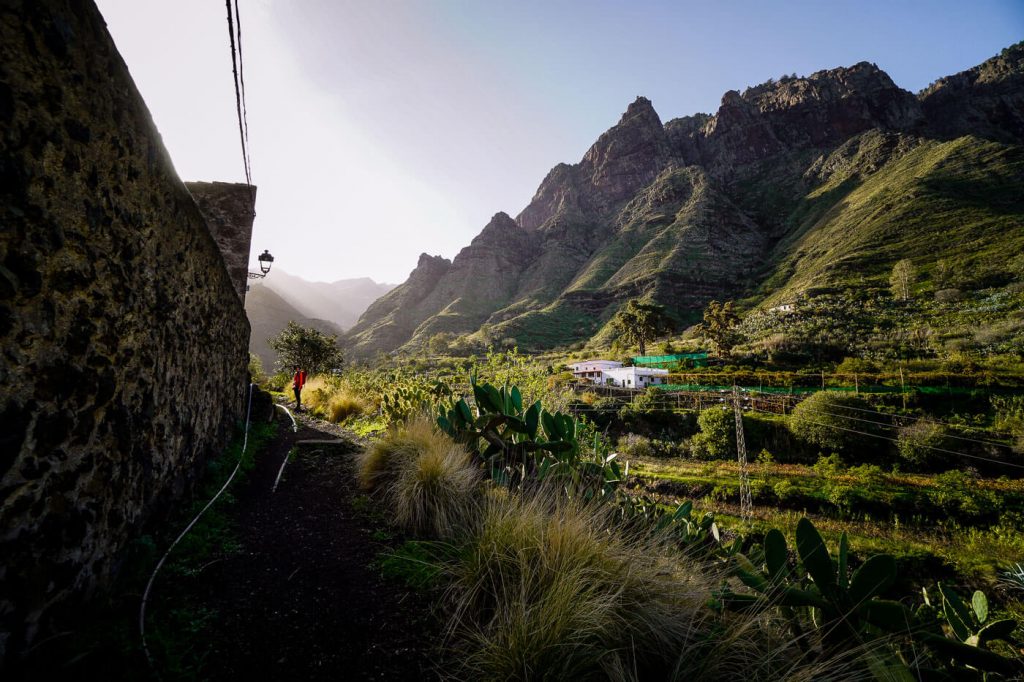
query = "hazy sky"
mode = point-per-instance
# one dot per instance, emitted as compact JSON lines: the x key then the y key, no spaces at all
{"x":380,"y":129}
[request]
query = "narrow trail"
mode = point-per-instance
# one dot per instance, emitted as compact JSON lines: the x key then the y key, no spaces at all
{"x":302,"y":600}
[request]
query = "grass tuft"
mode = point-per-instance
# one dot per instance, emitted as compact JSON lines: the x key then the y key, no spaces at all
{"x":548,"y":588}
{"x":379,"y":464}
{"x":435,"y":492}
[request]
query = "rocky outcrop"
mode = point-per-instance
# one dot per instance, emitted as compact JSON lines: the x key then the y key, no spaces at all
{"x":687,"y":211}
{"x":815,"y":112}
{"x":391,"y":320}
{"x":124,"y":342}
{"x":986,"y":101}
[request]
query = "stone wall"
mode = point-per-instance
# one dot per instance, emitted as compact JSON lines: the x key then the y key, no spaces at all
{"x":229,"y":209}
{"x":123,"y":347}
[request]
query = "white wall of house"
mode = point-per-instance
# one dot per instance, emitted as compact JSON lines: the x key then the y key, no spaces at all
{"x":593,"y":370}
{"x":636,"y":377}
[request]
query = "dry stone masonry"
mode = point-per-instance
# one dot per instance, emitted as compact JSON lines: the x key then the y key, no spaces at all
{"x":124,"y":342}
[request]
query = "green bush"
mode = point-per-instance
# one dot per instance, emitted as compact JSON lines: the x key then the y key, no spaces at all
{"x":915,"y":444}
{"x":717,"y":436}
{"x":632,"y":445}
{"x":958,"y":494}
{"x":826,"y":420}
{"x":785,"y":490}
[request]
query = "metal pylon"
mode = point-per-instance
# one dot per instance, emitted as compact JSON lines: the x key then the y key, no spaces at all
{"x":746,"y":501}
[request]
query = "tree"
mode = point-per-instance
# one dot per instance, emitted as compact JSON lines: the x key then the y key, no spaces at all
{"x":826,"y":420}
{"x":719,"y":326}
{"x":717,"y":436}
{"x":440,"y":343}
{"x":902,"y":277}
{"x":640,"y":323}
{"x":309,"y":348}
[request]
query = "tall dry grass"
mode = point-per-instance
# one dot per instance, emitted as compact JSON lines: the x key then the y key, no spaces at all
{"x":541,"y":587}
{"x":427,"y":481}
{"x":333,"y":400}
{"x":549,"y":589}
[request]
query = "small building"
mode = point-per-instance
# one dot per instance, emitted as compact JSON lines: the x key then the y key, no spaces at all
{"x":784,"y":308}
{"x":593,"y":370}
{"x":635,"y":377}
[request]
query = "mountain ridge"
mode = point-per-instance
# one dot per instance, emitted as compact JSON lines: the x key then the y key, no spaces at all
{"x":699,"y":207}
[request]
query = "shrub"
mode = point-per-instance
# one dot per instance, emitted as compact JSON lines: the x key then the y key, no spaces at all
{"x":256,"y":373}
{"x":915,"y":442}
{"x":829,"y":467}
{"x":825,"y":419}
{"x":785,"y":490}
{"x":958,"y":493}
{"x":717,"y":437}
{"x":633,"y":445}
{"x":856,"y":366}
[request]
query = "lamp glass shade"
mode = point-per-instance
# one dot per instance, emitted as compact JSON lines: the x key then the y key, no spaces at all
{"x":265,"y":260}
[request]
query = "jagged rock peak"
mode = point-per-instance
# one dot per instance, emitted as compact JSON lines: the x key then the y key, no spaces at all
{"x":501,"y":219}
{"x":1007,"y":64}
{"x":499,"y":227}
{"x":426,"y":260}
{"x":984,"y":101}
{"x":642,"y":109}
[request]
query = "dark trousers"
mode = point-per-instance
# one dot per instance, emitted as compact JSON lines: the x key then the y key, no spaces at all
{"x":298,"y":397}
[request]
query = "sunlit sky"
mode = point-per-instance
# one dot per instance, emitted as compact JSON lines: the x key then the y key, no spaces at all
{"x":380,"y":129}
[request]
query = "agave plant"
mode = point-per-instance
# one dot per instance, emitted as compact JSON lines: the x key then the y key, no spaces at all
{"x":1015,"y":577}
{"x":519,"y":443}
{"x":847,"y":610}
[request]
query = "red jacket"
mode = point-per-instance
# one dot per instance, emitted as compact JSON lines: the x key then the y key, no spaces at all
{"x":299,"y":380}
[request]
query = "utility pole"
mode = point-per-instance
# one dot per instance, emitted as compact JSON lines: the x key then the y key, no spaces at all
{"x":746,"y":502}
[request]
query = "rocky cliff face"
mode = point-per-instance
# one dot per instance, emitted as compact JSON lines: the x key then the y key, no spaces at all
{"x":124,"y":342}
{"x":687,"y":211}
{"x":987,"y":101}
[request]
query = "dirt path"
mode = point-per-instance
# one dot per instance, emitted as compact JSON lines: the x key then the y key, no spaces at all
{"x":302,"y":601}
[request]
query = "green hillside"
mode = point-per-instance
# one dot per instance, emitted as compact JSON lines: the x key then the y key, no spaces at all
{"x":961,"y":201}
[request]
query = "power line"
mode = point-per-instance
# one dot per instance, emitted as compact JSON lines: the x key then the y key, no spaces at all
{"x":892,"y":425}
{"x":893,"y":440}
{"x":924,"y":419}
{"x":241,"y":79}
{"x":235,"y":59}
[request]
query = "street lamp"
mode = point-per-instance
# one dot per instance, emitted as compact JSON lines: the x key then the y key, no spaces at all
{"x":266,"y":260}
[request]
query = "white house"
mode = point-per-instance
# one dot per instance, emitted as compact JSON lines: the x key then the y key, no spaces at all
{"x":593,"y":370}
{"x":784,"y":308}
{"x":635,"y":377}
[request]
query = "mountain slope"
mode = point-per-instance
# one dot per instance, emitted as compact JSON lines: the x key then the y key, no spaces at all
{"x":340,"y":302}
{"x":803,"y":183}
{"x":268,"y":314}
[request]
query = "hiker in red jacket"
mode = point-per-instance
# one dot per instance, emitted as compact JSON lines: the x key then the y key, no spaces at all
{"x":298,"y":381}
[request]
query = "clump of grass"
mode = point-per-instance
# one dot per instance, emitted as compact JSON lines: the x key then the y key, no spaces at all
{"x":331,"y":399}
{"x":379,"y":464}
{"x":435,"y":491}
{"x":428,"y":482}
{"x":317,"y":392}
{"x":548,"y":588}
{"x":343,"y":405}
